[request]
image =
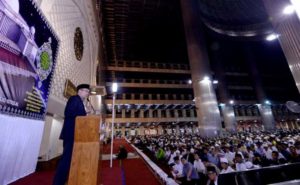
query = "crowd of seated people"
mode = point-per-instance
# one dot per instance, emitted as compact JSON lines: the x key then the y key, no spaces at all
{"x":196,"y":160}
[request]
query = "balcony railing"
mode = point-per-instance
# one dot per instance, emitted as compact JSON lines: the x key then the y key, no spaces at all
{"x":262,"y":176}
{"x":153,"y":65}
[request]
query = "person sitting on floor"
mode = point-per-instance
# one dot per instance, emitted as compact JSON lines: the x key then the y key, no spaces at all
{"x":177,"y":168}
{"x":225,"y":167}
{"x":212,"y":176}
{"x":276,"y":160}
{"x":122,"y":153}
{"x":190,"y":174}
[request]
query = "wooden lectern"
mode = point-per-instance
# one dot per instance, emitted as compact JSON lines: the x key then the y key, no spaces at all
{"x":86,"y":151}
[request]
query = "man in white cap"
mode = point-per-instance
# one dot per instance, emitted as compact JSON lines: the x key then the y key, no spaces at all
{"x":225,"y":167}
{"x":267,"y":151}
{"x":239,"y":163}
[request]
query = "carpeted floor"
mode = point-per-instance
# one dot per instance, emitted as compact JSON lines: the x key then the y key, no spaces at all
{"x":111,"y":176}
{"x":38,"y":178}
{"x":126,"y":172}
{"x":117,"y":143}
{"x":137,"y":173}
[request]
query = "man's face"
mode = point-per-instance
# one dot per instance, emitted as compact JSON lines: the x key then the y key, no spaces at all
{"x":238,"y":159}
{"x":212,"y":176}
{"x":293,"y":149}
{"x":83,"y":93}
{"x":224,"y":165}
{"x":274,"y":156}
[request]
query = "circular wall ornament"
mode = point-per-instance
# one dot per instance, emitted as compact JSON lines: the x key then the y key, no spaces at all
{"x":78,"y":43}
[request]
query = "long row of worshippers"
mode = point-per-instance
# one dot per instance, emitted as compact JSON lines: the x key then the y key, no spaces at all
{"x":190,"y":153}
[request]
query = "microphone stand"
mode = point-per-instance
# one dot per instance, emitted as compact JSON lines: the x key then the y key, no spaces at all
{"x":88,"y":99}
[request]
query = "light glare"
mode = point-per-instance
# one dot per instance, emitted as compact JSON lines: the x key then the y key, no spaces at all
{"x":114,"y":87}
{"x":206,"y":78}
{"x":215,"y":82}
{"x":296,"y":5}
{"x":289,"y":10}
{"x":271,"y":37}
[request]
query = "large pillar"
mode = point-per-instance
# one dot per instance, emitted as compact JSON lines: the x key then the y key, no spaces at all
{"x":123,"y":113}
{"x":142,"y":113}
{"x":176,"y":113}
{"x":132,"y":113}
{"x":150,"y":113}
{"x":177,"y":130}
{"x":266,"y":116}
{"x":287,"y":26}
{"x":159,"y":130}
{"x":264,"y":109}
{"x":229,"y":117}
{"x":226,"y":108}
{"x":168,"y":115}
{"x":142,"y":130}
{"x":123,"y":131}
{"x":159,"y":113}
{"x":208,"y":114}
{"x":183,"y":113}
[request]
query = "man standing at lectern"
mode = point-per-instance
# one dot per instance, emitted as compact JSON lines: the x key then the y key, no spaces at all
{"x":74,"y":108}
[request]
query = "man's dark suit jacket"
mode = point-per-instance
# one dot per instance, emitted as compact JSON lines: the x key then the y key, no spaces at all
{"x":73,"y":109}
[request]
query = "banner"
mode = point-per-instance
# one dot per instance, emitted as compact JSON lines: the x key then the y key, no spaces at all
{"x":28,"y":50}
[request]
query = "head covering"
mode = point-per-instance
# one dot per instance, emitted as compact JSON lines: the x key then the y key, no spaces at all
{"x":192,"y":150}
{"x":223,"y":160}
{"x":211,"y":169}
{"x":83,"y":86}
{"x":204,"y":159}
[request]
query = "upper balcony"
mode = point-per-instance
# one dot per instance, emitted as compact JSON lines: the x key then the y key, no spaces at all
{"x":149,"y":83}
{"x":149,"y":67}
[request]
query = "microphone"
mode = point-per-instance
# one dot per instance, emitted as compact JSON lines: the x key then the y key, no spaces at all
{"x":88,"y":99}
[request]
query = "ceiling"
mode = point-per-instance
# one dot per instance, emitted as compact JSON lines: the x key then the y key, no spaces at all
{"x":144,"y":30}
{"x":246,"y":18}
{"x":152,"y":30}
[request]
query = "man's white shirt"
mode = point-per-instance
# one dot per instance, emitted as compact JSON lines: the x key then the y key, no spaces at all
{"x":199,"y":166}
{"x":177,"y":170}
{"x":240,"y":167}
{"x":228,"y":170}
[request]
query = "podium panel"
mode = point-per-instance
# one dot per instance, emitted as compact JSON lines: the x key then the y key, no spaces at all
{"x":86,"y":151}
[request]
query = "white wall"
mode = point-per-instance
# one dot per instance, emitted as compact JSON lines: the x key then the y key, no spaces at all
{"x":45,"y":140}
{"x":65,"y":16}
{"x":19,"y":147}
{"x":51,"y":145}
{"x":55,"y":145}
